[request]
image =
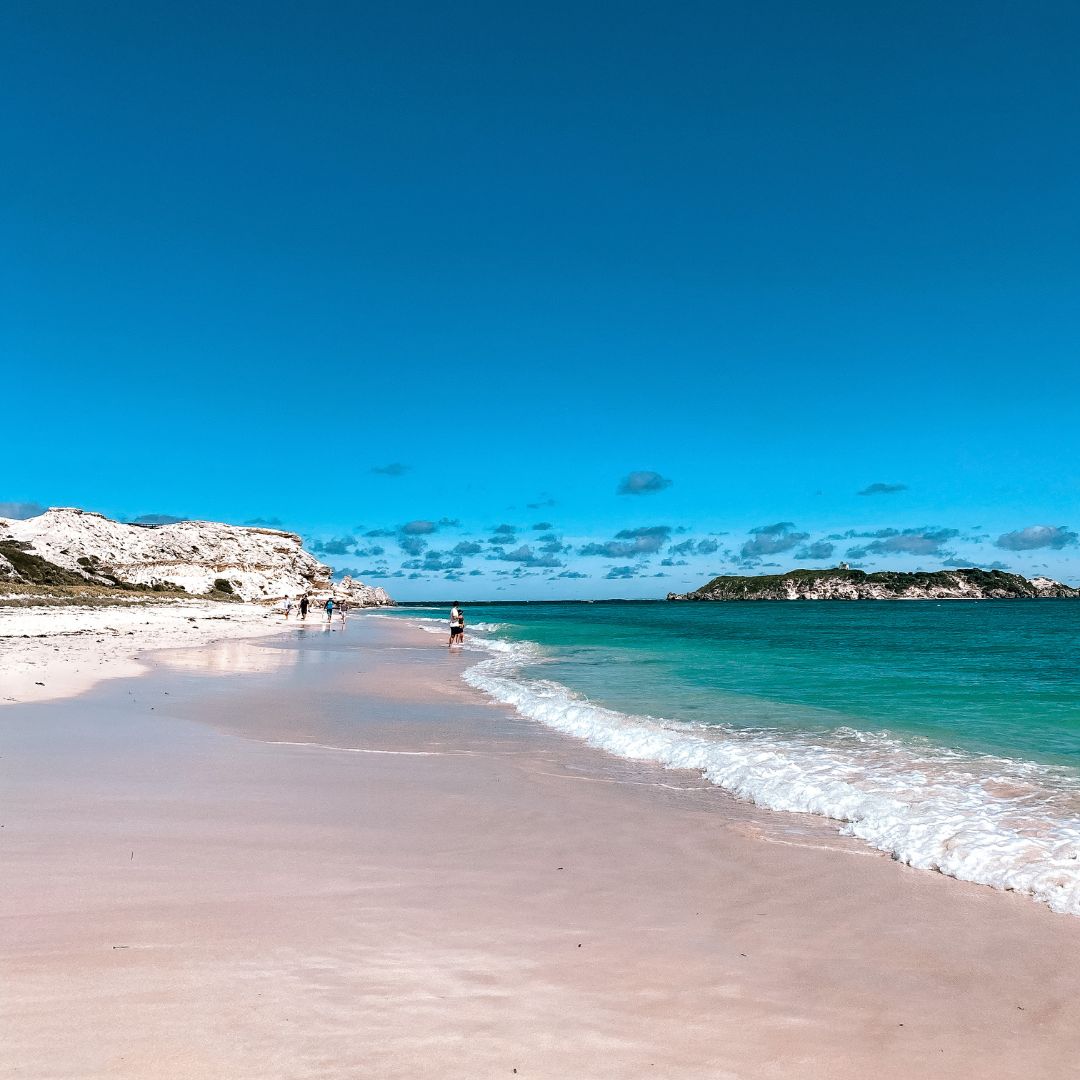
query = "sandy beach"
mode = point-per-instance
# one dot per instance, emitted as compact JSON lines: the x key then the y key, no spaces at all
{"x":321,"y":854}
{"x":58,"y":652}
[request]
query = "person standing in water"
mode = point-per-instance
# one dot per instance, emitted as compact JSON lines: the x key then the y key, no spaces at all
{"x":457,"y":626}
{"x":330,"y":610}
{"x":303,"y":606}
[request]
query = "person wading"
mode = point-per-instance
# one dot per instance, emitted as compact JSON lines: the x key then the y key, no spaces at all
{"x":457,"y":626}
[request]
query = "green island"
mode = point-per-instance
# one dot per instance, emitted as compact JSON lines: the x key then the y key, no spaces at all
{"x":844,"y":583}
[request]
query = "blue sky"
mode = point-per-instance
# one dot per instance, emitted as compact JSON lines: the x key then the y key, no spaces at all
{"x":775,"y":254}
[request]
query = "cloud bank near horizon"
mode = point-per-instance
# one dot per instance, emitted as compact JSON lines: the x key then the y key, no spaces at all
{"x":649,"y":552}
{"x":519,"y":547}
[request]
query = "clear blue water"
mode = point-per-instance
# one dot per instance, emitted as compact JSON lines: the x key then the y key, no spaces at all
{"x":995,"y":676}
{"x":947,"y":734}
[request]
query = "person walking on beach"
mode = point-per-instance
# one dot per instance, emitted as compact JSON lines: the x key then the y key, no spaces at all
{"x":288,"y":606}
{"x":343,"y":610}
{"x":330,"y":609}
{"x":457,"y":626}
{"x":303,"y":606}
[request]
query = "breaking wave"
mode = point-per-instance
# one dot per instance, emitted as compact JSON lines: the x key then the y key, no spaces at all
{"x":1010,"y":824}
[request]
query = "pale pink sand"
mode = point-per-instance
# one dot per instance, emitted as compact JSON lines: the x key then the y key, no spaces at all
{"x":48,"y":653}
{"x":459,"y":894}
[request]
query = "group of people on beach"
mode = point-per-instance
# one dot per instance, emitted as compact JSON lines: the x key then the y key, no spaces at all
{"x":341,"y":607}
{"x":330,"y":607}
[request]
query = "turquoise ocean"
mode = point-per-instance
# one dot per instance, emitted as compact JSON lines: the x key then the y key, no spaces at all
{"x":946,"y":733}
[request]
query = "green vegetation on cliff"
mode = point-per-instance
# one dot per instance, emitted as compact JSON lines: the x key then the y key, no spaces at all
{"x":42,"y":582}
{"x":35,"y":570}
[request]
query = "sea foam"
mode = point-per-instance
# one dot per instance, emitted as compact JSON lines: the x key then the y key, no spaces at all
{"x":1010,"y":824}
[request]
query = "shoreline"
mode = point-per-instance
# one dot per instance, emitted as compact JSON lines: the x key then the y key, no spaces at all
{"x":458,"y":889}
{"x":980,"y":814}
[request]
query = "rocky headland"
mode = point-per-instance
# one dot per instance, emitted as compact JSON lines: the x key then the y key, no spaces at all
{"x":847,"y":584}
{"x":67,"y":547}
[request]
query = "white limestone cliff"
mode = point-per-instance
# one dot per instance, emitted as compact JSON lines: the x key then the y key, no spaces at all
{"x":259,"y":564}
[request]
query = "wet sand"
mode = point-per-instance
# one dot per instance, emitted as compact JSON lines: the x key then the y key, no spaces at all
{"x":59,"y":651}
{"x":427,"y":886}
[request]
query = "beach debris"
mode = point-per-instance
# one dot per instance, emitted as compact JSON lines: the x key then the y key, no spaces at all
{"x":39,"y":684}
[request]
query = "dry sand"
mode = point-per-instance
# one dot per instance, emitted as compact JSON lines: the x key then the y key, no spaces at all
{"x":457,"y":893}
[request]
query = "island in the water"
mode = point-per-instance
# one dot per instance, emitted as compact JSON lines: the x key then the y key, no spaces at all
{"x":843,"y":583}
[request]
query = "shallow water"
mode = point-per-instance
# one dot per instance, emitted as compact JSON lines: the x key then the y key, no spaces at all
{"x":945,"y":733}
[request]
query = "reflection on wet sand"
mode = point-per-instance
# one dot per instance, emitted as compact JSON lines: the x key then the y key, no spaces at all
{"x":229,"y":658}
